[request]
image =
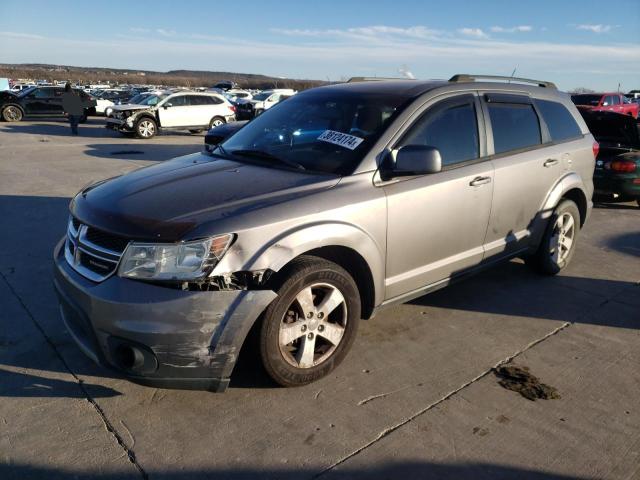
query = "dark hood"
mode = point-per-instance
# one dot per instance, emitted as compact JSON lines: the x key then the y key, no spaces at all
{"x":167,"y":200}
{"x":6,"y":95}
{"x":612,"y":128}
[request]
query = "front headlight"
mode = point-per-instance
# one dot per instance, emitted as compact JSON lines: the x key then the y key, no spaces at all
{"x":173,"y":261}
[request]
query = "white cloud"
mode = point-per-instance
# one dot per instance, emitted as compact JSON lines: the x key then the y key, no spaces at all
{"x":599,"y":28}
{"x":473,"y":32}
{"x":365,"y":33}
{"x":516,"y":29}
{"x":21,"y":35}
{"x":165,"y":33}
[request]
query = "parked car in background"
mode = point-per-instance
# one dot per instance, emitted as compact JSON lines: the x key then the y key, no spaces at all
{"x":180,"y":110}
{"x":409,"y":186}
{"x":225,"y":85}
{"x":234,"y":95}
{"x":617,"y":172}
{"x":108,"y":98}
{"x":17,"y":88}
{"x":39,"y":102}
{"x":249,"y":108}
{"x":220,"y":133}
{"x":606,"y":102}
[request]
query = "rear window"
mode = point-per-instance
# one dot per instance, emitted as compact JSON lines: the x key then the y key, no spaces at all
{"x":586,"y":99}
{"x":559,"y":120}
{"x":515,"y":126}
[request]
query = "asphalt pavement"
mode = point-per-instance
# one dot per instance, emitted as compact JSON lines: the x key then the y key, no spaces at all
{"x":417,"y":397}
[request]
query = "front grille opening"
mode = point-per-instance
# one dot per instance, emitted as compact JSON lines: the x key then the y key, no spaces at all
{"x":106,"y":240}
{"x":96,"y":265}
{"x":76,"y":223}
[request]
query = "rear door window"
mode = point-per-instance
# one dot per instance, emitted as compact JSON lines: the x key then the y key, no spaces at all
{"x":559,"y":120}
{"x":615,"y":100}
{"x":515,"y":126}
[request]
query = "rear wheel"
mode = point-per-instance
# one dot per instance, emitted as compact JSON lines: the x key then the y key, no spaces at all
{"x":216,"y":122}
{"x":12,"y":114}
{"x":308,"y":330}
{"x":559,"y":240}
{"x":146,"y":128}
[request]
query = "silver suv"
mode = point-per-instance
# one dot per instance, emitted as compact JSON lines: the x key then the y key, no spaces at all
{"x":328,"y":207}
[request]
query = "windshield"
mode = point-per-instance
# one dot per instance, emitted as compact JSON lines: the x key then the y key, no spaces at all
{"x":584,"y":99}
{"x":262,"y":96}
{"x":322,"y":131}
{"x":152,"y":99}
{"x":26,"y":91}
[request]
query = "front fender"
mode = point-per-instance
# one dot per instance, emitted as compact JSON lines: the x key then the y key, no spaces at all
{"x":281,"y":249}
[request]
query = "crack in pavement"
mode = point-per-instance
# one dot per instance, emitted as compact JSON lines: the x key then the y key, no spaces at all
{"x":403,"y":422}
{"x":107,"y":424}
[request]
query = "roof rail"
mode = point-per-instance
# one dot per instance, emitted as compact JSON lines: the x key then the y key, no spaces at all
{"x":375,"y":79}
{"x":463,"y":77}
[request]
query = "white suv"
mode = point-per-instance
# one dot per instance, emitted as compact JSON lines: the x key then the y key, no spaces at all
{"x":247,"y":109}
{"x":180,"y":110}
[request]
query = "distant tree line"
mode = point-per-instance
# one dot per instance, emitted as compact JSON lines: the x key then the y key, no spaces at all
{"x":182,"y":78}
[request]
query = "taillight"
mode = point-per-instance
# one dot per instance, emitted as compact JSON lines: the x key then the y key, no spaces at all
{"x":622,"y":166}
{"x":232,"y":108}
{"x":596,"y":149}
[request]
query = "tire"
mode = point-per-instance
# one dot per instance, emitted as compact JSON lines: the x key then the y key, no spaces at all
{"x":564,"y":226}
{"x":638,"y":201}
{"x":216,"y":122}
{"x":309,"y":355}
{"x":11,"y":113}
{"x":146,"y":128}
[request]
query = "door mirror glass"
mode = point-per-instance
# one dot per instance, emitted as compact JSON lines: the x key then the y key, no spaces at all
{"x":168,"y":104}
{"x":416,"y":160}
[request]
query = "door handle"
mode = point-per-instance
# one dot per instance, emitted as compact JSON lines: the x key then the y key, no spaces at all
{"x":479,"y":181}
{"x":550,"y":162}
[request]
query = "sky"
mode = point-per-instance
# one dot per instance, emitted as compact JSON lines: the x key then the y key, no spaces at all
{"x":585,"y":43}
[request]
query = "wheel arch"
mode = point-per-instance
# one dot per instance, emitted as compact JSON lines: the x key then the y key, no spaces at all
{"x":342,"y":243}
{"x":12,"y":104}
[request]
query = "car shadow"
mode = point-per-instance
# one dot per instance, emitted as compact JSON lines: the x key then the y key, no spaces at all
{"x":141,"y":150}
{"x":414,"y":470}
{"x":92,"y":128}
{"x":22,"y":385}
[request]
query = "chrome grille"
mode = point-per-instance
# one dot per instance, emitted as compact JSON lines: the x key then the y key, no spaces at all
{"x":92,"y":253}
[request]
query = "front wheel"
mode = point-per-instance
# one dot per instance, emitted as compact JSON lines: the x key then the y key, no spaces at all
{"x":559,"y":240}
{"x":146,"y":128}
{"x":308,"y":330}
{"x":11,"y":114}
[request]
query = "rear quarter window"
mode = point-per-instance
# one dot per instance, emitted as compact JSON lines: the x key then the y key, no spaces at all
{"x":559,"y":120}
{"x":515,"y":126}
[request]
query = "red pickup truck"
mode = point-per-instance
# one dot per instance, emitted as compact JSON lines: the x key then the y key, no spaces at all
{"x":606,"y":102}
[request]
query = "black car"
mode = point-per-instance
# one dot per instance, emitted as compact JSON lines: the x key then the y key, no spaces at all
{"x":217,"y":134}
{"x":617,"y":172}
{"x":41,"y":102}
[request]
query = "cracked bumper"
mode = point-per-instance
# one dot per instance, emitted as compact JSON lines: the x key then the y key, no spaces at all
{"x":191,"y":339}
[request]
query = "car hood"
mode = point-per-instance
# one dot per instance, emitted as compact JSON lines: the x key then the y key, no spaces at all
{"x":6,"y":95}
{"x":129,"y":107}
{"x":166,"y":201}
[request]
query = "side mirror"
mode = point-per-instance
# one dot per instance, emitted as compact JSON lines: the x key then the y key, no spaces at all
{"x":416,"y":160}
{"x":167,"y":105}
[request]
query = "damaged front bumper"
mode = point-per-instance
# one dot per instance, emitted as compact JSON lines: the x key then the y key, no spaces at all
{"x":154,"y":335}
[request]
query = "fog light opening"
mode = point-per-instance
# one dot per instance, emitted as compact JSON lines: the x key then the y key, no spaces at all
{"x":128,"y":357}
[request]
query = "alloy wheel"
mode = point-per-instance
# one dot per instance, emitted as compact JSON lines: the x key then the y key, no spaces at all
{"x":146,"y":129}
{"x":562,"y":238}
{"x":313,"y":325}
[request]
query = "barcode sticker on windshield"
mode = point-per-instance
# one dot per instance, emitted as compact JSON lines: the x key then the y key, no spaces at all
{"x":343,"y":139}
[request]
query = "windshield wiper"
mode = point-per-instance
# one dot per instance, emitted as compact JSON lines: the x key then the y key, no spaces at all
{"x":267,"y":156}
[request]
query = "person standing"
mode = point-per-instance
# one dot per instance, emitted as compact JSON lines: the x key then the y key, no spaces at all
{"x":72,"y":105}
